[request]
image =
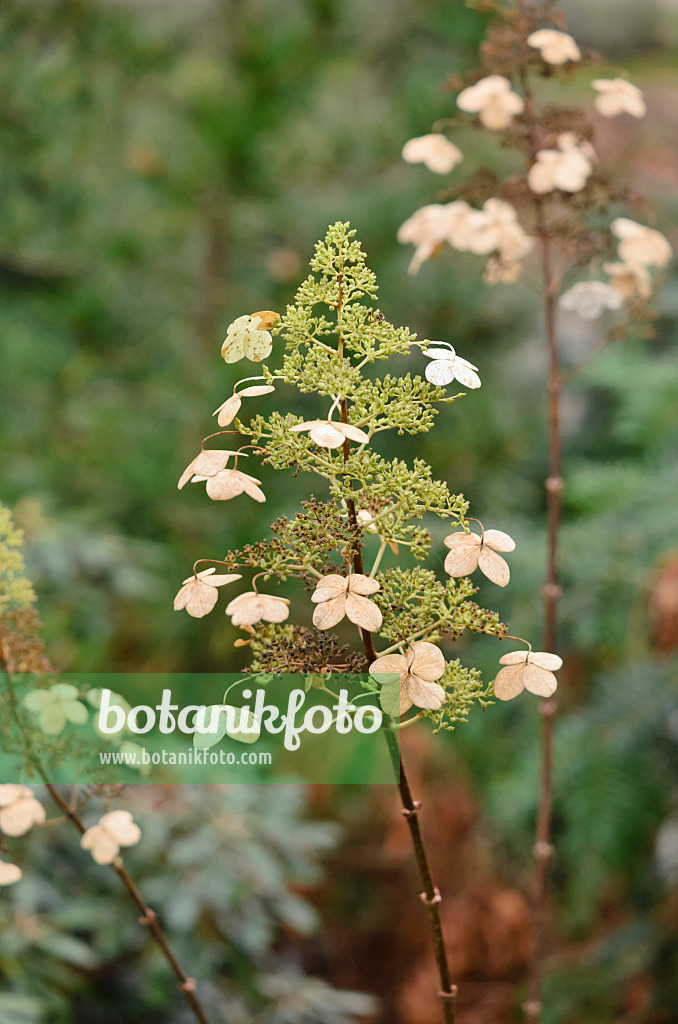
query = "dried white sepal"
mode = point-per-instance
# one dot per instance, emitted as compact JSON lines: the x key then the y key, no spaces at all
{"x":19,"y":810}
{"x":640,"y":245}
{"x":527,"y":670}
{"x":198,"y":595}
{"x":251,"y":607}
{"x":338,"y":596}
{"x":566,"y":168}
{"x":618,"y":96}
{"x":114,"y":830}
{"x":448,"y":366}
{"x":9,"y":873}
{"x":493,"y":100}
{"x":331,"y":433}
{"x":413,"y":676}
{"x":469,"y":552}
{"x":555,"y":47}
{"x":589,"y":299}
{"x":434,"y":151}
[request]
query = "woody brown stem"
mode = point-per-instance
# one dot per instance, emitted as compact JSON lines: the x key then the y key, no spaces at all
{"x":430,"y":896}
{"x":148,"y":916}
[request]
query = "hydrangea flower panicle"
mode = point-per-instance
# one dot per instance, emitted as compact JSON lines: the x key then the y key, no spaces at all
{"x":469,"y":552}
{"x":448,"y":366}
{"x":527,"y":670}
{"x":493,"y":100}
{"x":434,"y":151}
{"x":338,"y":596}
{"x":199,"y":594}
{"x":114,"y":830}
{"x":19,"y":810}
{"x":418,"y":670}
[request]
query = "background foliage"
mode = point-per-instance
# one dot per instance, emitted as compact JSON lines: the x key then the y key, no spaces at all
{"x":165,"y":167}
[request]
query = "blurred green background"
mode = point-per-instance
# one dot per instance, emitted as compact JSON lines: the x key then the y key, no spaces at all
{"x":164,"y":168}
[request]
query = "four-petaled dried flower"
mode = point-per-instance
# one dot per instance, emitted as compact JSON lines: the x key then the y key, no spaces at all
{"x":469,"y":552}
{"x":330,"y":433}
{"x":629,"y":279}
{"x":229,"y":483}
{"x":496,"y":229}
{"x":19,"y":810}
{"x":617,"y":96}
{"x":55,"y":706}
{"x":207,"y":463}
{"x":448,"y":366}
{"x":555,"y":47}
{"x":338,"y":596}
{"x":492,"y":99}
{"x":198,"y":594}
{"x":527,"y":670}
{"x":247,"y":337}
{"x":568,"y":167}
{"x":427,"y":229}
{"x":588,"y":299}
{"x":435,"y":151}
{"x":639,"y":245}
{"x":229,"y":409}
{"x":418,"y":670}
{"x":114,"y":830}
{"x":246,"y":609}
{"x":9,"y":873}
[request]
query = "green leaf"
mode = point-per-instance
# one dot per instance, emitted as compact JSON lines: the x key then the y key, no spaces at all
{"x":389,"y":698}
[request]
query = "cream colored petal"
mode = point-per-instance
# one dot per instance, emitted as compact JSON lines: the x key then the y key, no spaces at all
{"x":9,"y":793}
{"x":509,"y":682}
{"x":498,"y":540}
{"x":274,"y":609}
{"x":427,"y":661}
{"x":102,"y":845}
{"x":329,"y":587}
{"x":440,"y":372}
{"x":75,"y":712}
{"x":122,"y":827}
{"x":494,"y":566}
{"x":390,"y":664}
{"x":353,"y":433}
{"x":255,"y":390}
{"x":251,"y":487}
{"x":19,"y":817}
{"x":233,"y":348}
{"x":186,"y":476}
{"x":363,"y":612}
{"x":225,"y":485}
{"x":327,"y":436}
{"x":405,"y":699}
{"x":462,"y":558}
{"x":245,"y":609}
{"x":227,"y":412}
{"x":36,"y":700}
{"x":52,"y":719}
{"x":465,"y":374}
{"x":211,"y":461}
{"x":257,"y":345}
{"x":514,"y":658}
{"x":538,"y":680}
{"x":9,"y":873}
{"x":424,"y":694}
{"x":305,"y":426}
{"x":201,"y":599}
{"x":361,"y":584}
{"x":542,"y":659}
{"x":329,"y":613}
{"x":220,"y":581}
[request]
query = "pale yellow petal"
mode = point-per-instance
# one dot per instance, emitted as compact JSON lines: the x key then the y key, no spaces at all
{"x":405,"y":699}
{"x":329,"y":587}
{"x":227,"y":412}
{"x":233,"y":348}
{"x":120,"y":825}
{"x":427,"y":661}
{"x":551,"y":662}
{"x":251,"y":487}
{"x":538,"y":680}
{"x":256,"y":389}
{"x":245,"y":609}
{"x":509,"y":682}
{"x":274,"y":609}
{"x":201,"y":599}
{"x":329,"y":613}
{"x":513,"y":658}
{"x":363,"y":612}
{"x":360,"y":584}
{"x":327,"y":436}
{"x":9,"y":873}
{"x":494,"y":566}
{"x":424,"y":694}
{"x":389,"y":665}
{"x":498,"y":540}
{"x":353,"y":433}
{"x":225,"y":485}
{"x":462,"y":558}
{"x":257,"y":345}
